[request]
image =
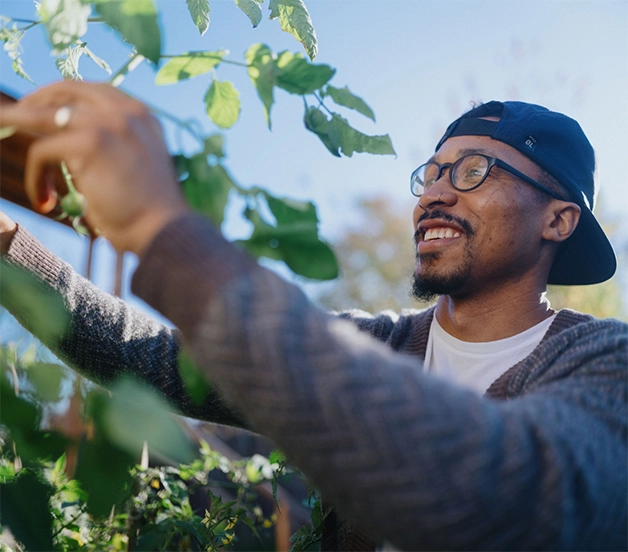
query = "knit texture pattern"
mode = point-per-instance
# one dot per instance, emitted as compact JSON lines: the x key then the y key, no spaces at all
{"x":421,"y":463}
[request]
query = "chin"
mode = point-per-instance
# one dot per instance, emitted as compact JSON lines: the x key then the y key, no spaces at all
{"x":428,"y":284}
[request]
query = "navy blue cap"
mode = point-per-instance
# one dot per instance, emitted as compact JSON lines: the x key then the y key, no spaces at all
{"x":557,"y":144}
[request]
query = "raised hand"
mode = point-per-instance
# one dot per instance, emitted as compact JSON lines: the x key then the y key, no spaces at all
{"x":114,"y":149}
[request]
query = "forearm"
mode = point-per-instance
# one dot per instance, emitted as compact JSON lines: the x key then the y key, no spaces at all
{"x":419,"y":462}
{"x":105,"y":336}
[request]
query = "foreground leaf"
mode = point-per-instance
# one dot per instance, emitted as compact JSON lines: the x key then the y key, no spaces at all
{"x":136,"y":21}
{"x":343,"y":96}
{"x":188,"y":65}
{"x":65,"y":21}
{"x":22,"y":418}
{"x":11,"y":38}
{"x":351,"y":141}
{"x":222,"y":103}
{"x":340,"y":137}
{"x":294,"y":240}
{"x":23,"y":294}
{"x":316,"y":122}
{"x":24,"y":509}
{"x":262,"y":72}
{"x":194,"y":381}
{"x":298,"y":76}
{"x":207,"y":188}
{"x":295,"y":19}
{"x":199,"y":10}
{"x":252,"y":9}
{"x":135,"y":414}
{"x":103,"y":473}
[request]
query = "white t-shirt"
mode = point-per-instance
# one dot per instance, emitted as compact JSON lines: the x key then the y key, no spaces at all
{"x":477,"y":365}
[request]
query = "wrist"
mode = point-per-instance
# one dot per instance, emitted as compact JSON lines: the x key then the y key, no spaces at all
{"x":6,"y":236}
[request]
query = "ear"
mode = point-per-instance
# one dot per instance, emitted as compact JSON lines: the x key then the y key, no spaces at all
{"x":562,"y":219}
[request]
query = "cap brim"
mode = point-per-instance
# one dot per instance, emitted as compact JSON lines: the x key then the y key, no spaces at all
{"x":587,"y":257}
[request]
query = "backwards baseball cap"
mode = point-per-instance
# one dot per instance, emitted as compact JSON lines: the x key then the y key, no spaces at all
{"x":557,"y":144}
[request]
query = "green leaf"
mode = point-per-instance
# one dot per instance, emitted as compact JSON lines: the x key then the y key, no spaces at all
{"x":276,"y":457}
{"x":343,"y":96}
{"x":188,"y":65}
{"x":24,"y":509}
{"x":11,"y":38}
{"x":135,"y":414}
{"x":295,"y":19}
{"x":338,"y":135}
{"x":291,"y":211}
{"x":252,"y":9}
{"x":136,"y":21}
{"x":199,"y":10}
{"x":262,"y":71}
{"x":207,"y":188}
{"x":47,"y":379}
{"x":350,"y":140}
{"x":22,"y":293}
{"x":298,"y":76}
{"x":65,"y":21}
{"x":316,"y":122}
{"x":22,"y":418}
{"x":69,"y":65}
{"x":194,"y":381}
{"x":103,"y":473}
{"x":213,"y":145}
{"x":294,"y":240}
{"x":222,"y":103}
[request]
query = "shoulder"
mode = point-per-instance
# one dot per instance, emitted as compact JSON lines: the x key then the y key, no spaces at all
{"x":390,"y":327}
{"x":590,"y":351}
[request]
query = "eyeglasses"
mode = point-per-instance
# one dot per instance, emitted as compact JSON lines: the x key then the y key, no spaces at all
{"x":466,"y":174}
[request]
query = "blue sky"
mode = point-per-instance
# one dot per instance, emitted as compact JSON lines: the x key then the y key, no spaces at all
{"x":418,"y":63}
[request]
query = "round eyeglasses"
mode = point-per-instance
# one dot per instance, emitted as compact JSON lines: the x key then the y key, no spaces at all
{"x":466,"y":174}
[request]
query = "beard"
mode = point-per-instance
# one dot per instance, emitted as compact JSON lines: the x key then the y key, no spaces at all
{"x":427,"y":283}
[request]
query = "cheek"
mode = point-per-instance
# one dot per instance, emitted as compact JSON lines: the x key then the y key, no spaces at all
{"x":416,"y":213}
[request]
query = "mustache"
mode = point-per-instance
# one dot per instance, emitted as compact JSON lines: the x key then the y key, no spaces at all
{"x":446,"y":217}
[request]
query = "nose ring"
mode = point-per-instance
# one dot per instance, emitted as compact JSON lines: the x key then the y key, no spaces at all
{"x":439,"y":197}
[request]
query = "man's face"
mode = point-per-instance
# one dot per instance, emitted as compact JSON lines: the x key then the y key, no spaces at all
{"x":476,"y":240}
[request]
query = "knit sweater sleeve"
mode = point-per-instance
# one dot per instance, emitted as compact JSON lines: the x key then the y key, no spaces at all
{"x":419,"y":462}
{"x":106,"y":337}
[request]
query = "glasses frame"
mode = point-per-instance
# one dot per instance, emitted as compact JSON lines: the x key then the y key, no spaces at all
{"x":492,"y":162}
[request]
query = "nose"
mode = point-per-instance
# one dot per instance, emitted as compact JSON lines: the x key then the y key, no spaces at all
{"x":441,"y":192}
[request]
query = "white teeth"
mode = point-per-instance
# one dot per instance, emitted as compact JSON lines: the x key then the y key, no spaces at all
{"x":440,"y":232}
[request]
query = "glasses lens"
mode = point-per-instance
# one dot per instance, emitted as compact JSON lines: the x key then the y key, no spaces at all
{"x":469,"y":171}
{"x":423,"y":178}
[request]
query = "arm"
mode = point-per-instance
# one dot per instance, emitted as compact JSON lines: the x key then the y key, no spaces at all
{"x":106,"y":336}
{"x":420,"y":462}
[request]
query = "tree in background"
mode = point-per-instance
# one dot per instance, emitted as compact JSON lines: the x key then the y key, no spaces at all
{"x":376,"y":257}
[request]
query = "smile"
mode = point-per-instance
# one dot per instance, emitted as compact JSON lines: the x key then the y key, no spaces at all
{"x":440,"y":232}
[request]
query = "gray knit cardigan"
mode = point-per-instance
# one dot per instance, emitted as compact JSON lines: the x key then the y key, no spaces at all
{"x":539,"y":462}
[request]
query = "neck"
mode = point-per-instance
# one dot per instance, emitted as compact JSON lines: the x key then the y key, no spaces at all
{"x":492,"y":315}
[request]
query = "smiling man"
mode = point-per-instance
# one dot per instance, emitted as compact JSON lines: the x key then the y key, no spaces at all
{"x":503,"y":425}
{"x":499,"y":205}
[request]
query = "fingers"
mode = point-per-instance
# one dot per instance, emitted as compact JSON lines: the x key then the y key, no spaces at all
{"x":38,"y":112}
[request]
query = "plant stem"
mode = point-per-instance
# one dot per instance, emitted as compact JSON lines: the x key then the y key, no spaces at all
{"x":322,"y":104}
{"x":129,"y":66}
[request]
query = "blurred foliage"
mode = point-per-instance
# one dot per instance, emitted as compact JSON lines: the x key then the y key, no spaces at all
{"x":376,"y":257}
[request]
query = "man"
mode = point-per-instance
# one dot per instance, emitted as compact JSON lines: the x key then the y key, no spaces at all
{"x":423,"y":462}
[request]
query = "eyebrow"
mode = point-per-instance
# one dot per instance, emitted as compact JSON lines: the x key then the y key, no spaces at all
{"x":462,"y":153}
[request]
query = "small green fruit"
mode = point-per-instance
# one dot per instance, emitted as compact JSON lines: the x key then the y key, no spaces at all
{"x":74,"y":204}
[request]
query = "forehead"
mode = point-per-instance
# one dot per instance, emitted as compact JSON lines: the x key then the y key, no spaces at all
{"x":453,"y":148}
